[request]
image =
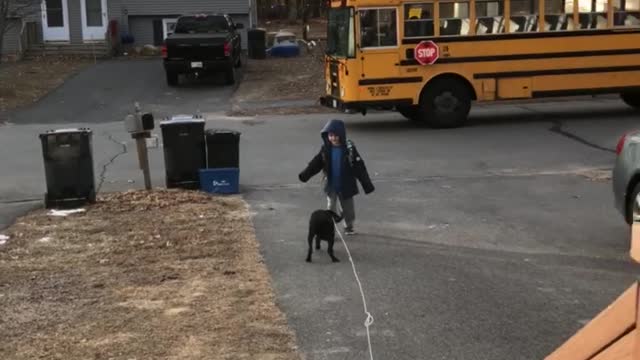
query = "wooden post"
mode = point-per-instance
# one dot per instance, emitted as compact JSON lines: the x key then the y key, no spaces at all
{"x":143,"y":157}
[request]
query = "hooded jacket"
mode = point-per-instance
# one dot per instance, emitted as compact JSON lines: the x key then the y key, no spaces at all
{"x":352,"y":168}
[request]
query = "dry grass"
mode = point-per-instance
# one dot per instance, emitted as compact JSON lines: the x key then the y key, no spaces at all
{"x":160,"y":275}
{"x":281,"y":79}
{"x":23,"y":83}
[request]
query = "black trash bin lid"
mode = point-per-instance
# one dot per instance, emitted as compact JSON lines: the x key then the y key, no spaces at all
{"x":182,"y":119}
{"x":66,"y":131}
{"x":222,"y":131}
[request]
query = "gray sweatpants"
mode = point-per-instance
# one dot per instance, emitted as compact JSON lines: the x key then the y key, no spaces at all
{"x":347,"y":206}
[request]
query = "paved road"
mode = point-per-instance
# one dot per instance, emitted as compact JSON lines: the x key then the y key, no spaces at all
{"x":486,"y":242}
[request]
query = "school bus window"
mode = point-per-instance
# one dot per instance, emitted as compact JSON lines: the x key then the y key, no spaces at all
{"x":489,"y":17}
{"x":454,"y":18}
{"x":627,"y":13}
{"x":340,"y":33}
{"x":524,"y":16}
{"x":378,"y":28}
{"x":592,"y":14}
{"x":558,"y":15}
{"x":418,"y":20}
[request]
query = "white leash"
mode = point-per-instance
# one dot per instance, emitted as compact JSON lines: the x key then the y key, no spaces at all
{"x":369,"y":319}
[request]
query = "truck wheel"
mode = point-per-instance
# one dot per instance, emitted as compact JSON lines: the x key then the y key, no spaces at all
{"x":445,"y":103}
{"x":172,"y":78}
{"x":410,"y":112}
{"x":631,"y":98}
{"x":231,"y":76}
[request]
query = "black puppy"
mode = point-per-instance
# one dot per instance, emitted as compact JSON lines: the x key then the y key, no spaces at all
{"x":321,"y":226}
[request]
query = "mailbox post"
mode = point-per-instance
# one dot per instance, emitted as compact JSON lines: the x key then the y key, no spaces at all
{"x":139,"y":125}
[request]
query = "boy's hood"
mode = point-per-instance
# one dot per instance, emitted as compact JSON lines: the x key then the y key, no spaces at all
{"x":336,"y":127}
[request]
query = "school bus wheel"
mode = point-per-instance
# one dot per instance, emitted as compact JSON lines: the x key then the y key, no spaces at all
{"x":411,"y":112}
{"x":631,"y":98}
{"x":446,"y":102}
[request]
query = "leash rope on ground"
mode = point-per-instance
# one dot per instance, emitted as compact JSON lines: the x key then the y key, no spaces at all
{"x":369,"y":319}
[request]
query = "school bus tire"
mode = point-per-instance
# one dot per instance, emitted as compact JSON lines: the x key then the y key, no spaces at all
{"x":445,"y":103}
{"x":411,"y":112}
{"x":631,"y":98}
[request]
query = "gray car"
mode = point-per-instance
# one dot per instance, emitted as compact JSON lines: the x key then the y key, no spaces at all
{"x":626,"y":176}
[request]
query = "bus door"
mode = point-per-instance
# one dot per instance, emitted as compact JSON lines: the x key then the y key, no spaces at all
{"x":378,"y":45}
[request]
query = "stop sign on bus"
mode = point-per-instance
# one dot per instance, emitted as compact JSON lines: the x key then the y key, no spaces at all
{"x":427,"y":53}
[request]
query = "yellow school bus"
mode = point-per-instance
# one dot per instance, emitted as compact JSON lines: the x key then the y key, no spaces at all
{"x":485,"y":50}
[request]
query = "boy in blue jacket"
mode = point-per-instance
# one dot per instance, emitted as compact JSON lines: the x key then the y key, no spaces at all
{"x":341,"y":164}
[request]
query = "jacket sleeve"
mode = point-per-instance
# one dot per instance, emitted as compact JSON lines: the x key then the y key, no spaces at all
{"x":314,"y":167}
{"x":360,"y":171}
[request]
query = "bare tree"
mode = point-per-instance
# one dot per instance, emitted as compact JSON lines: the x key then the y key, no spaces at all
{"x":14,"y":9}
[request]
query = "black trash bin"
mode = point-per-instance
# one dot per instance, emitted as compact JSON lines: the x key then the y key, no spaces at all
{"x":68,"y":166}
{"x":223,"y":148}
{"x":257,"y":43}
{"x":184,"y":151}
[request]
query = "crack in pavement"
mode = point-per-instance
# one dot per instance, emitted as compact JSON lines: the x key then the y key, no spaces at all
{"x":557,"y":128}
{"x":103,"y":173}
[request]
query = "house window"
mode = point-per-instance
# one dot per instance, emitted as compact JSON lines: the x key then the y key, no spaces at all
{"x":54,"y":13}
{"x":94,"y":12}
{"x":168,"y":27}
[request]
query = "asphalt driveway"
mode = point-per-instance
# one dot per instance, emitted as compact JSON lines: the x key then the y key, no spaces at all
{"x":494,"y":241}
{"x":106,"y":92}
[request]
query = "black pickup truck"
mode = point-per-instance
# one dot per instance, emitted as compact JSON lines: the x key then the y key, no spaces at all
{"x":202,"y":44}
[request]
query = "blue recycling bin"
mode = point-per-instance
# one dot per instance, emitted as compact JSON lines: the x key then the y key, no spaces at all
{"x":220,"y":180}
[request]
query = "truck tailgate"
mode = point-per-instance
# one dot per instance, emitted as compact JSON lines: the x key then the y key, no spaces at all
{"x":195,"y":47}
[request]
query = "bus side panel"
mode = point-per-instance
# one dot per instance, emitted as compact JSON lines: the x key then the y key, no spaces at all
{"x":565,"y":85}
{"x":514,"y":88}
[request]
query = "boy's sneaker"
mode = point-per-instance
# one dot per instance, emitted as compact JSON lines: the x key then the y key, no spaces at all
{"x":349,"y":231}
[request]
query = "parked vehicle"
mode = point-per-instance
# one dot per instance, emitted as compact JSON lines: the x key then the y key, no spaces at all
{"x":203,"y":44}
{"x":285,"y":45}
{"x":626,"y":176}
